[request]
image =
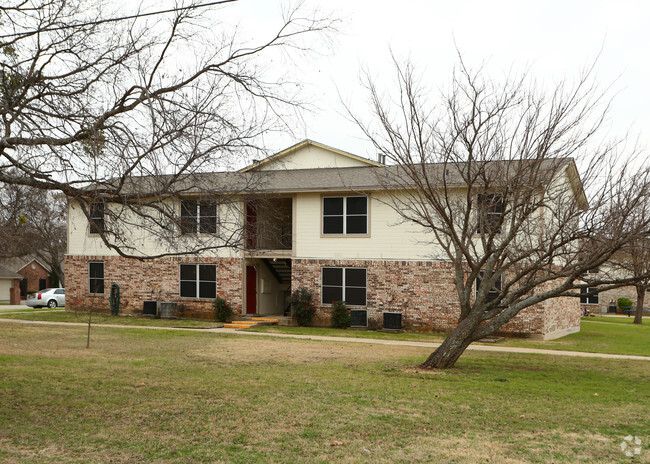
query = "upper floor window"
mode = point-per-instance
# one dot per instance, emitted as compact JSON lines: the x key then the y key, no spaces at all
{"x":198,"y":216}
{"x":345,"y":215}
{"x":96,"y":218}
{"x":489,"y":213}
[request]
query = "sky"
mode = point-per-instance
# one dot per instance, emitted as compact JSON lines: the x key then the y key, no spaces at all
{"x":553,"y":39}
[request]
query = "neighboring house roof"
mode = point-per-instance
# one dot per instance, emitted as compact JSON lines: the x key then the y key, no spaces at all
{"x":287,"y":152}
{"x":8,"y":274}
{"x":18,"y":263}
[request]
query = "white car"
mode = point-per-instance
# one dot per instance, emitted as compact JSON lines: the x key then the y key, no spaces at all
{"x":50,"y":297}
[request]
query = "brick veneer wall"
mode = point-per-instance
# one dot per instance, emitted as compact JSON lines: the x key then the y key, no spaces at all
{"x":424,"y":292}
{"x":156,"y":279}
{"x":605,"y":297}
{"x":33,"y":276}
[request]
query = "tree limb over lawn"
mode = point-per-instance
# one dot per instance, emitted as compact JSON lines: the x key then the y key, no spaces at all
{"x":88,"y":103}
{"x":515,"y":186}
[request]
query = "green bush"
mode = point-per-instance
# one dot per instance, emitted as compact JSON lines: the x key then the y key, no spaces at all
{"x":222,"y":310}
{"x":302,"y":306}
{"x":624,"y":303}
{"x":340,"y":315}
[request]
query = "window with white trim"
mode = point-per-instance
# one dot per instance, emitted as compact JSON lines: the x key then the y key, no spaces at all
{"x":345,"y":284}
{"x":493,"y":293}
{"x":198,"y":281}
{"x":198,"y":216}
{"x":345,"y":215}
{"x":96,"y":277}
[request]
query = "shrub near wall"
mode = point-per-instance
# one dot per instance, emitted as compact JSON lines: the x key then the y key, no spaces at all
{"x":340,"y":315}
{"x":302,"y":306}
{"x":222,"y":310}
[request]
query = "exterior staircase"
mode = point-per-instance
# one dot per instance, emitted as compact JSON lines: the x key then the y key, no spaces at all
{"x":280,"y":268}
{"x":248,"y":322}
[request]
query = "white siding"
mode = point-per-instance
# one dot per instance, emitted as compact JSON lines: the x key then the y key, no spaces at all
{"x":311,"y":157}
{"x":81,"y":242}
{"x":388,"y":238}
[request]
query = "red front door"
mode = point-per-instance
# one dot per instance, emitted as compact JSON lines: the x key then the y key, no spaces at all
{"x":251,"y":290}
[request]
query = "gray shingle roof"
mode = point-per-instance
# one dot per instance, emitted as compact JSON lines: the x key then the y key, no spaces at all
{"x":7,"y":273}
{"x":323,"y":179}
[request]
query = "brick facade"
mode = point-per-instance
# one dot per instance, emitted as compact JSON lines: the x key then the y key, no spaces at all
{"x":156,"y":279}
{"x":33,"y":273}
{"x":424,"y":292}
{"x":610,"y":297}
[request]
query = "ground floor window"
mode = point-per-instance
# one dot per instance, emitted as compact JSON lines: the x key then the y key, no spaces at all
{"x":198,"y":281}
{"x":345,"y":284}
{"x":493,"y":293}
{"x":96,"y":281}
{"x":591,"y":299}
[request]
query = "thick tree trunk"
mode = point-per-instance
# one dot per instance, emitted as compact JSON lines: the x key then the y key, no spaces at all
{"x":450,"y":350}
{"x":640,"y":297}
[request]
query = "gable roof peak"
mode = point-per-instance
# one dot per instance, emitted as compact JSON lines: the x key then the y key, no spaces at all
{"x":307,"y":143}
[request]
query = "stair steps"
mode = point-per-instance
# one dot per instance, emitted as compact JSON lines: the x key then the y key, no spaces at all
{"x":248,"y":323}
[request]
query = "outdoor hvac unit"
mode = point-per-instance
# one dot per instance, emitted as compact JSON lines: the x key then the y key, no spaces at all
{"x":392,"y":321}
{"x":358,"y":318}
{"x":149,"y":308}
{"x":168,"y":309}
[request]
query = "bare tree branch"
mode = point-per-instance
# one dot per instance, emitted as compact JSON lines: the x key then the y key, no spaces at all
{"x":515,"y":186}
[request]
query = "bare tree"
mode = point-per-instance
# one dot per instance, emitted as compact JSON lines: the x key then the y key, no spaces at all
{"x":634,"y":260}
{"x":514,"y":186}
{"x":33,"y":222}
{"x":88,"y":102}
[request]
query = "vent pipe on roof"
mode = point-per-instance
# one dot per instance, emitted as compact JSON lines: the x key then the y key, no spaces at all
{"x":255,"y":161}
{"x":381,"y":158}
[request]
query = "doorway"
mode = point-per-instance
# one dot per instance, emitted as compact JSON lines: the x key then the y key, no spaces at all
{"x":251,"y":290}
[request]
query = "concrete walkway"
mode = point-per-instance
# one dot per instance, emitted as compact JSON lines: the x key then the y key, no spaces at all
{"x":4,"y":308}
{"x":368,"y":341}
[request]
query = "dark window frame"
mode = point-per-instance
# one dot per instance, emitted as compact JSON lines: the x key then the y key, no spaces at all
{"x":95,"y":281}
{"x":493,"y":293}
{"x":345,"y":289}
{"x":591,"y":299}
{"x":198,"y":216}
{"x":345,"y":217}
{"x":200,"y":283}
{"x":489,"y":213}
{"x":96,"y":220}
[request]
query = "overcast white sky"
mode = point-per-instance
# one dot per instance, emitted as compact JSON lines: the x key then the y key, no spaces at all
{"x":555,"y":39}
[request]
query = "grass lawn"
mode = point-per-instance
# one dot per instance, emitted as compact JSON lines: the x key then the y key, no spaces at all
{"x":614,"y":338}
{"x":187,"y":397}
{"x":38,"y":315}
{"x":593,"y":337}
{"x":615,"y":320}
{"x":596,"y":337}
{"x":30,"y":310}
